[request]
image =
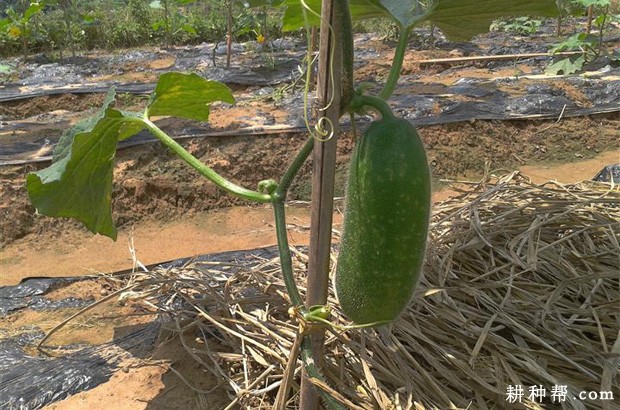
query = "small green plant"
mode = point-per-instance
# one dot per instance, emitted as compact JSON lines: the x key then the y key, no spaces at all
{"x":172,"y":21}
{"x":20,"y":23}
{"x":7,"y":71}
{"x":590,"y":46}
{"x":386,"y":29}
{"x":263,"y":48}
{"x":520,"y":25}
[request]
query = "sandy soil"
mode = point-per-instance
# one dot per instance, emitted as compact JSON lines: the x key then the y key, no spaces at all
{"x":76,"y":252}
{"x":153,"y":185}
{"x":151,"y":385}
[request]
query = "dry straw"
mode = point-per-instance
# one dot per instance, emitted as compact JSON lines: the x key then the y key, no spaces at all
{"x":521,"y":288}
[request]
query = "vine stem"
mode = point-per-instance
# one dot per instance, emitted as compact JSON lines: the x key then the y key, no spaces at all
{"x":286,"y":263}
{"x":293,"y":169}
{"x":343,"y":15}
{"x":397,"y":63}
{"x":203,"y":169}
{"x":278,"y":198}
{"x":313,"y":371}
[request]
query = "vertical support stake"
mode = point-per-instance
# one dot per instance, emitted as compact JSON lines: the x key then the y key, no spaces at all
{"x":323,"y":174}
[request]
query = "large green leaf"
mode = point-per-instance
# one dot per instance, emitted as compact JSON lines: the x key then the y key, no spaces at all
{"x":187,"y":96}
{"x":463,"y":19}
{"x":34,"y":8}
{"x":577,"y":41}
{"x":458,"y":19}
{"x":63,"y":148}
{"x":78,"y":184}
{"x":406,"y":13}
{"x":363,"y":9}
{"x":566,"y":66}
{"x":293,"y":18}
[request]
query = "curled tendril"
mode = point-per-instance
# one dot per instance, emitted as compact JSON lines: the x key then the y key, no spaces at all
{"x":319,"y":132}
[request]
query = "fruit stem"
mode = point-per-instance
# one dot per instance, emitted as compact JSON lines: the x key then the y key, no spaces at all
{"x":397,"y":63}
{"x":359,"y":102}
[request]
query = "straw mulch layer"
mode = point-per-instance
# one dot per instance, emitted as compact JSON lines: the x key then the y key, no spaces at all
{"x":521,"y":288}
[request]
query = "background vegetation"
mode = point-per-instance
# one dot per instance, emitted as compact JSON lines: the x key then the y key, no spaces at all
{"x":60,"y":28}
{"x":65,"y":26}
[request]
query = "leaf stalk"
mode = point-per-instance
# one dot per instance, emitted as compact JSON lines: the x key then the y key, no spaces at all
{"x":202,"y":168}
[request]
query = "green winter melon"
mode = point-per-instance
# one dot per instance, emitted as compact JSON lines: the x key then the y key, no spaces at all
{"x":386,"y":220}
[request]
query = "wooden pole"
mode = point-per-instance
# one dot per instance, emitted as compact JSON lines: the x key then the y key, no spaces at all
{"x":590,"y":18}
{"x":324,"y":169}
{"x":229,"y":24}
{"x":495,"y":58}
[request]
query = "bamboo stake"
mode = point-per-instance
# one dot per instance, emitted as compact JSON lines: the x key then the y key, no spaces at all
{"x":495,"y":58}
{"x":324,"y":168}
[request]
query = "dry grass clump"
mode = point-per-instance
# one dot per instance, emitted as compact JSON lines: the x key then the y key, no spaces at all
{"x":521,"y":288}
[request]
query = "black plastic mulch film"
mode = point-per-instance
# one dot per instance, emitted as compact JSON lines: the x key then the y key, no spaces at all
{"x":29,"y":382}
{"x":468,"y":98}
